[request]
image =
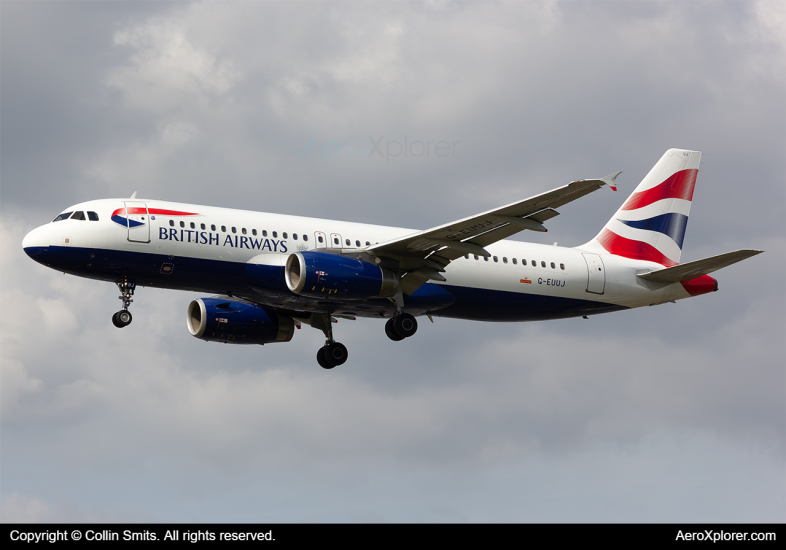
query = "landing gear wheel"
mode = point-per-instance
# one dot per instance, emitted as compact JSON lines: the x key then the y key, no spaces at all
{"x":391,"y":332}
{"x":122,"y":318}
{"x":405,"y":325}
{"x":335,"y":354}
{"x":322,"y":361}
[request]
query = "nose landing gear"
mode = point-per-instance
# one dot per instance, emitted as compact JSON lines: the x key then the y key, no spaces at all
{"x":123,"y":317}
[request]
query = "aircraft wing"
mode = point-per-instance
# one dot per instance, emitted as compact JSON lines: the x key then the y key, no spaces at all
{"x":423,"y":255}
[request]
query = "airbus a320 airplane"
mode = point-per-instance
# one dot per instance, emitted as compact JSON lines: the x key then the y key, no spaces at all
{"x":271,"y":273}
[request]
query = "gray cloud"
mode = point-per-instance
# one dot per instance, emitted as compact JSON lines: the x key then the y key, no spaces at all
{"x":654,"y":414}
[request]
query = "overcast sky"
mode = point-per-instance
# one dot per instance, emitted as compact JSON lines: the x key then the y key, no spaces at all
{"x":671,"y":413}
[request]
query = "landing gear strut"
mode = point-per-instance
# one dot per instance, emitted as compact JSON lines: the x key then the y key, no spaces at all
{"x":123,"y":317}
{"x":333,"y":353}
{"x":402,"y":325}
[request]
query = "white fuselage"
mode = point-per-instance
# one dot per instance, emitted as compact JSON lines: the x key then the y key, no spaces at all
{"x":176,"y":237}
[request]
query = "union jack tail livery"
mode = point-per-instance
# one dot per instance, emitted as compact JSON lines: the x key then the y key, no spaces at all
{"x":651,"y":224}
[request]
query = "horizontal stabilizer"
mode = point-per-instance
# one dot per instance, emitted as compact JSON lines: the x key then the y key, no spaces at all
{"x":692,"y":270}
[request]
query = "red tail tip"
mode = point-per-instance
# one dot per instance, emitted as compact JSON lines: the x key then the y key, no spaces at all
{"x":700,"y":285}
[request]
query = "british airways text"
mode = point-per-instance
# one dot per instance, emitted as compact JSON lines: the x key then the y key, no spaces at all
{"x":209,"y":238}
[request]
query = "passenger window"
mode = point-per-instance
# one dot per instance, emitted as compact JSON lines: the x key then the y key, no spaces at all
{"x":466,"y":256}
{"x":562,"y":266}
{"x":284,"y":235}
{"x":182,"y":224}
{"x":254,"y":232}
{"x":335,"y":240}
{"x":534,"y":263}
{"x":320,"y":238}
{"x":485,"y":258}
{"x":348,"y":242}
{"x":476,"y":256}
{"x":193,"y":226}
{"x":553,"y":266}
{"x":542,"y":263}
{"x":234,"y":230}
{"x":223,"y":228}
{"x":212,"y":227}
{"x":63,"y":216}
{"x":495,"y":259}
{"x":92,"y":216}
{"x":504,"y":260}
{"x":305,"y":237}
{"x":78,"y":216}
{"x":275,"y":234}
{"x":264,"y":232}
{"x":368,"y":243}
{"x":357,"y":244}
{"x":202,"y":226}
{"x":294,"y":236}
{"x":244,"y":231}
{"x":172,"y":223}
{"x":514,"y":261}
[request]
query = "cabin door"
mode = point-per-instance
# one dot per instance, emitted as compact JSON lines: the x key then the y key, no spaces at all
{"x":138,"y":221}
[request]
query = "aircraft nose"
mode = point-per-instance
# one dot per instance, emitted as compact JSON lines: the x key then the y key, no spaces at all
{"x":36,"y":242}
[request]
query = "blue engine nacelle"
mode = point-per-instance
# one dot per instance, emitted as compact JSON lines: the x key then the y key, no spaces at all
{"x":330,"y":275}
{"x":234,"y":322}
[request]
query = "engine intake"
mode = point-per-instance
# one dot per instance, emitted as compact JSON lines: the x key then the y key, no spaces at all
{"x":235,"y":322}
{"x":321,"y":274}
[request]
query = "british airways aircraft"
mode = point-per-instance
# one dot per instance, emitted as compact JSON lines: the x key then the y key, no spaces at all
{"x":270,"y":273}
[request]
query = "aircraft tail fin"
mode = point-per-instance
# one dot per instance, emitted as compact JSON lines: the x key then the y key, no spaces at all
{"x":651,"y":224}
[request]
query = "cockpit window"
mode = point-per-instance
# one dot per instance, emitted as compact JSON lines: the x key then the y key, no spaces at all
{"x":92,"y":216}
{"x":78,"y":216}
{"x":63,"y":216}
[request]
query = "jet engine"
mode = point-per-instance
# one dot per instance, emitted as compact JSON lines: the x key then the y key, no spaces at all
{"x":321,"y":274}
{"x":232,"y":321}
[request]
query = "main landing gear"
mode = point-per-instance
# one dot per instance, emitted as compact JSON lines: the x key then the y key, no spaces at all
{"x":123,"y":317}
{"x":333,"y":353}
{"x":402,"y":325}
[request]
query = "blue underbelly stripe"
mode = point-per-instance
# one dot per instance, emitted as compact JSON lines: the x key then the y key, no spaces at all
{"x":267,"y":286}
